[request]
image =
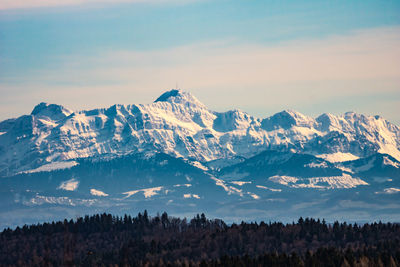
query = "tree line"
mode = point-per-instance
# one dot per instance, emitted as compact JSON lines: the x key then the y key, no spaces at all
{"x":162,"y":240}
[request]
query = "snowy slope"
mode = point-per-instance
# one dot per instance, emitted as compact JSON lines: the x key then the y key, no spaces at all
{"x":180,"y":125}
{"x":279,"y":184}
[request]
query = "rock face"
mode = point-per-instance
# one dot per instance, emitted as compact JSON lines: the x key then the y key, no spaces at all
{"x":178,"y":124}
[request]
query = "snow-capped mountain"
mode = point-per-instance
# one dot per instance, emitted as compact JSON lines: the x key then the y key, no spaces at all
{"x":176,"y":155}
{"x":180,"y":125}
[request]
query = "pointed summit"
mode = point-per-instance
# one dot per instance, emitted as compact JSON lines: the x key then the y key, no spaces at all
{"x":178,"y":96}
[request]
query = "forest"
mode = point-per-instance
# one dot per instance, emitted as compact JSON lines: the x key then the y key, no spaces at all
{"x":162,"y":240}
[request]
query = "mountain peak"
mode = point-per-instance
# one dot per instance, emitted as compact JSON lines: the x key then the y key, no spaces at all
{"x":351,"y":115}
{"x":286,"y":119}
{"x":169,"y":94}
{"x":179,"y":96}
{"x":39,"y":107}
{"x":52,"y":111}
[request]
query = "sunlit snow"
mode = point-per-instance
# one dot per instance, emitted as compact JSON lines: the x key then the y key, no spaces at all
{"x":229,"y":189}
{"x":337,"y":157}
{"x":390,"y":191}
{"x":191,"y":196}
{"x":182,"y":185}
{"x":70,"y":185}
{"x":268,"y":188}
{"x":147,"y":192}
{"x":99,"y":193}
{"x":240,"y":183}
{"x":285,"y":180}
{"x":199,"y":165}
{"x":316,"y":165}
{"x":253,"y":195}
{"x":40,"y":200}
{"x":388,"y":161}
{"x":184,"y":127}
{"x":54,"y":166}
{"x":330,"y":182}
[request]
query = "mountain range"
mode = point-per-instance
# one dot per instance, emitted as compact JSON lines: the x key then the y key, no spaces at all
{"x":175,"y":154}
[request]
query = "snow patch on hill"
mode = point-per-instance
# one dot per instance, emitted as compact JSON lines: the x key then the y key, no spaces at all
{"x":338,"y":157}
{"x":317,"y":165}
{"x":345,"y":169}
{"x":199,"y":165}
{"x":229,"y":189}
{"x":98,"y":193}
{"x":182,"y":185}
{"x":191,"y":196}
{"x":268,"y":188}
{"x":41,"y":200}
{"x":390,"y":191}
{"x":253,"y":195}
{"x":70,"y":185}
{"x":332,"y":182}
{"x":240,"y":183}
{"x":389,"y":162}
{"x":58,"y":165}
{"x":285,"y":180}
{"x":147,"y":192}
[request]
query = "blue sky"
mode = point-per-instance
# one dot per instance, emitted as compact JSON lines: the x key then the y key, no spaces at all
{"x":259,"y":56}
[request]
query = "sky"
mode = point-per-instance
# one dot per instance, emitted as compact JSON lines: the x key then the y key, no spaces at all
{"x":258,"y":56}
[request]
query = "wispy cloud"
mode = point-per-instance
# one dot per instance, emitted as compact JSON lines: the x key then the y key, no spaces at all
{"x":364,"y":55}
{"x":18,"y":4}
{"x":307,"y":74}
